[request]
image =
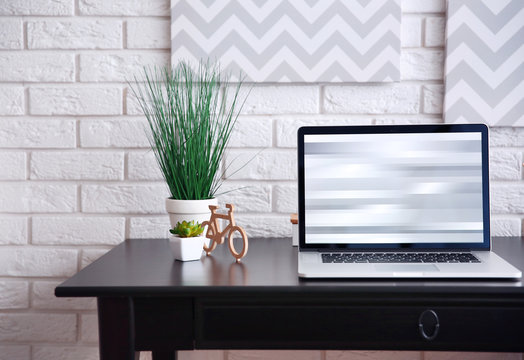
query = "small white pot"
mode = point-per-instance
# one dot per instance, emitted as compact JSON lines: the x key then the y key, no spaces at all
{"x":187,"y":249}
{"x":189,"y":210}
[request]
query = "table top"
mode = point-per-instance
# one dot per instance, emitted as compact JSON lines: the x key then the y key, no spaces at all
{"x":146,"y":267}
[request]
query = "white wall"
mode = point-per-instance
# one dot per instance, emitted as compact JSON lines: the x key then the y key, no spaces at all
{"x":76,"y":177}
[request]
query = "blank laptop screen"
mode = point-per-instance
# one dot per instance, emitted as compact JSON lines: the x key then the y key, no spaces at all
{"x":394,"y":188}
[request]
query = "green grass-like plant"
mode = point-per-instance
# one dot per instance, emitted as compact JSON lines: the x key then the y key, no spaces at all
{"x":187,"y":229}
{"x":191,"y":114}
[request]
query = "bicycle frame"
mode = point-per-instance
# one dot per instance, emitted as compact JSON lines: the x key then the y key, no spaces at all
{"x":217,"y":236}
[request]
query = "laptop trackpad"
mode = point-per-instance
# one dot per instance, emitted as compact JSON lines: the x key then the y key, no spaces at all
{"x":406,"y":267}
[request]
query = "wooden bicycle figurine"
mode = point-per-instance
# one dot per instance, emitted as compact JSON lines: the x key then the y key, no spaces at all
{"x":218,"y":236}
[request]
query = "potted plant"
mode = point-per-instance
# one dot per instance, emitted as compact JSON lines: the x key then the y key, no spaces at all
{"x":190,"y":115}
{"x":187,"y":241}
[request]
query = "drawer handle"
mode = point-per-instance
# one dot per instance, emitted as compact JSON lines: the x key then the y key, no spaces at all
{"x":427,"y":320}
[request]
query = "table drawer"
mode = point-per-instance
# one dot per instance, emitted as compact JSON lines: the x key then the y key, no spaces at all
{"x":336,"y":326}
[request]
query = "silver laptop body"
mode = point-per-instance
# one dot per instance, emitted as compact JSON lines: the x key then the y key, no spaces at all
{"x":399,"y":201}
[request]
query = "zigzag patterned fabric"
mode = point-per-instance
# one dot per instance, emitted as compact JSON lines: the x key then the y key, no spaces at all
{"x":485,"y":62}
{"x":291,"y":40}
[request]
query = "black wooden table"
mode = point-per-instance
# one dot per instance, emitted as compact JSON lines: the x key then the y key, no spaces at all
{"x":149,"y":302}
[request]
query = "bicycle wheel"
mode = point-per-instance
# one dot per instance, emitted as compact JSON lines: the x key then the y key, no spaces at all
{"x":237,"y":254}
{"x":210,"y":234}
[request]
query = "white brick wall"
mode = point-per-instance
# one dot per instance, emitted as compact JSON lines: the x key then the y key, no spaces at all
{"x":64,"y":353}
{"x":116,"y":66}
{"x":81,"y":33}
{"x":368,"y":99}
{"x":283,"y":99}
{"x":148,"y":34}
{"x":15,"y":294}
{"x":43,"y":297}
{"x":77,"y":178}
{"x":435,"y":31}
{"x":11,"y":99}
{"x":13,"y":165}
{"x":38,"y":327}
{"x":75,"y":100}
{"x":78,"y":230}
{"x":92,"y":165}
{"x":14,"y":230}
{"x":118,"y":132}
{"x":37,"y":261}
{"x":28,"y":132}
{"x":36,"y":7}
{"x":32,"y":197}
{"x":36,"y":66}
{"x":11,"y":29}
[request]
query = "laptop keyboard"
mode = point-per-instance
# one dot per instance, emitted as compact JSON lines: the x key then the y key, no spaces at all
{"x":388,"y":257}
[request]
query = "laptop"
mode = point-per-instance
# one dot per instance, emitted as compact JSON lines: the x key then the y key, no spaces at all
{"x":399,"y":201}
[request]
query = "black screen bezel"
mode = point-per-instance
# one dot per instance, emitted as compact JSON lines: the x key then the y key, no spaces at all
{"x":395,"y":129}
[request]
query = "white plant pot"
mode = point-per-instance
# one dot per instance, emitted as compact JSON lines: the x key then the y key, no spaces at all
{"x":189,"y":210}
{"x":187,"y":249}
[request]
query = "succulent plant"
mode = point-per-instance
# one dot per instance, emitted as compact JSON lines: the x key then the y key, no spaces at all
{"x":187,"y":229}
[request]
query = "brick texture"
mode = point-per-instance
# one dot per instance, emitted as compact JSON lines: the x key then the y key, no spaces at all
{"x":273,"y":354}
{"x":422,"y":64}
{"x":433,"y":99}
{"x":77,"y":165}
{"x":417,"y":6}
{"x":65,"y":353}
{"x":15,"y":294}
{"x":74,"y":34}
{"x":36,"y":261}
{"x":89,"y":328}
{"x":11,"y":100}
{"x":28,"y":197}
{"x":259,"y":197}
{"x":14,"y":230}
{"x":286,"y":127}
{"x":124,"y":7}
{"x":149,"y":227}
{"x":13,"y":165}
{"x":43,"y":298}
{"x":435,"y":30}
{"x":389,"y":99}
{"x":37,"y":7}
{"x":147,"y":199}
{"x":78,"y":230}
{"x":15,"y":352}
{"x":445,"y":355}
{"x":35,"y":66}
{"x":146,"y":33}
{"x":117,"y":67}
{"x":267,"y":100}
{"x":75,"y":101}
{"x":505,"y":226}
{"x":285,"y":198}
{"x":38,"y":327}
{"x":11,"y":29}
{"x":373,"y":355}
{"x":256,"y":165}
{"x":37,"y":133}
{"x":90,"y":255}
{"x":113,"y":133}
{"x":143,"y":166}
{"x":243,"y":135}
{"x":411,"y":31}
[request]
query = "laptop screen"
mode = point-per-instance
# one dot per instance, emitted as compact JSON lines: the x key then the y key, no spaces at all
{"x":409,"y":186}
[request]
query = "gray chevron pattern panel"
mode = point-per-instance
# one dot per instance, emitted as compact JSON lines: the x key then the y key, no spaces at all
{"x":484,"y":79}
{"x":291,"y":40}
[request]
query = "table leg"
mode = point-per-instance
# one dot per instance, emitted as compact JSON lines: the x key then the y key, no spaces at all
{"x":116,"y":329}
{"x":164,"y":355}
